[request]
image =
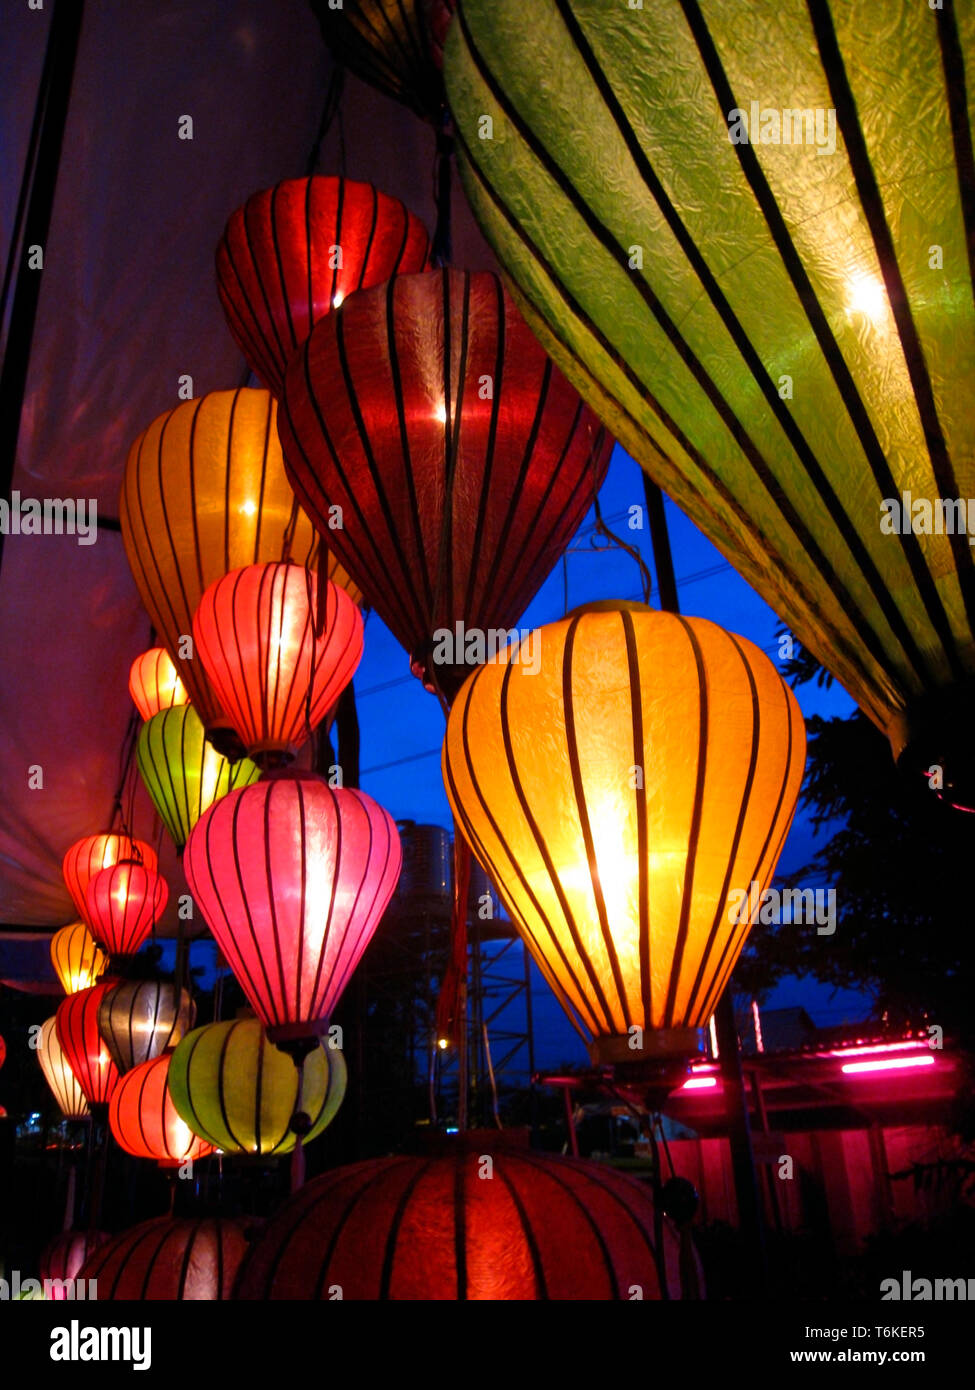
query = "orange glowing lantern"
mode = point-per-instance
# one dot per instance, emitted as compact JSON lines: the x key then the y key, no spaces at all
{"x":124,"y":902}
{"x":144,"y":1120}
{"x":76,"y":957}
{"x":621,"y":797}
{"x":154,"y":683}
{"x":88,"y":856}
{"x":204,"y":493}
{"x":276,"y":677}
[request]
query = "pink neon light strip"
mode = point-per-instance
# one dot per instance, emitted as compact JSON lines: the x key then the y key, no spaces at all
{"x":699,"y":1083}
{"x":889,"y":1064}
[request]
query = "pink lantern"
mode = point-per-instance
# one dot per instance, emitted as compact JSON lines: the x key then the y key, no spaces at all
{"x":292,"y":877}
{"x":123,"y":903}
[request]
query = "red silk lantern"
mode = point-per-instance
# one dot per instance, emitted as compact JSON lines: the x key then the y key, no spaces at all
{"x":94,"y":852}
{"x":3,"y":1052}
{"x":256,"y":633}
{"x":144,"y":1120}
{"x":460,"y":457}
{"x":123,"y":903}
{"x":154,"y":683}
{"x":76,"y":1027}
{"x":292,"y":253}
{"x":542,"y":1227}
{"x":62,"y":1258}
{"x":292,"y":877}
{"x":169,"y":1260}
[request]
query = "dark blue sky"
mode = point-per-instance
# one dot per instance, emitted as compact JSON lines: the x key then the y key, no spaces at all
{"x":402,"y":726}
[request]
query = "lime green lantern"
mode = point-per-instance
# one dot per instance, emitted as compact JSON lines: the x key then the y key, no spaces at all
{"x":735,"y":235}
{"x":234,"y":1088}
{"x":182,"y":772}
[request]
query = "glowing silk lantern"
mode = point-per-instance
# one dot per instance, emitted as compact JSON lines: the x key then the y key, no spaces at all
{"x":88,"y":856}
{"x":144,"y":1121}
{"x":76,"y":1026}
{"x":238,"y":1092}
{"x":77,"y":959}
{"x":619,"y":798}
{"x":292,"y":877}
{"x":388,"y":43}
{"x":811,"y":430}
{"x":58,"y":1074}
{"x":400,"y":1228}
{"x":140,"y":1019}
{"x":205,"y":492}
{"x":166,"y":1260}
{"x":182,"y":772}
{"x":154,"y":683}
{"x":461,"y":459}
{"x":257,"y":634}
{"x":124,"y":903}
{"x":292,"y":253}
{"x":59,"y":1263}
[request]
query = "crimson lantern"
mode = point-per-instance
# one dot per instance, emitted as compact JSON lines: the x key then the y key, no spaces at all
{"x":144,"y":1120}
{"x":76,"y":1025}
{"x":168,"y":1260}
{"x":460,"y":457}
{"x":292,"y":253}
{"x":94,"y":852}
{"x":542,"y":1227}
{"x":123,"y":903}
{"x":292,"y":877}
{"x":275,"y":668}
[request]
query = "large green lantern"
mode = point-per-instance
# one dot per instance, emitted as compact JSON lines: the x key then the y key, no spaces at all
{"x":234,"y":1088}
{"x":745,"y":233}
{"x":183,"y":773}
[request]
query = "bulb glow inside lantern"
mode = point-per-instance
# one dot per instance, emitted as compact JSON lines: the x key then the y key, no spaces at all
{"x":619,"y":798}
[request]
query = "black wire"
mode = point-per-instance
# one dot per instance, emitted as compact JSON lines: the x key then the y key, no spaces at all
{"x":331,"y":108}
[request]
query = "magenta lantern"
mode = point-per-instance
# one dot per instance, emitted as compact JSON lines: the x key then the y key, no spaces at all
{"x":292,"y":876}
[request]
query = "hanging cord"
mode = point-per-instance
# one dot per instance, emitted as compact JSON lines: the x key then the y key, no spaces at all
{"x":602,"y":529}
{"x":127,"y":781}
{"x":441,"y":250}
{"x":331,"y":109}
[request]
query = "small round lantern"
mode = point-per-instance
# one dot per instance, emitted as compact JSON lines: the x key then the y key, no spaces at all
{"x":145,"y":1122}
{"x":77,"y":958}
{"x":141,"y":1019}
{"x":124,"y":902}
{"x":58,"y":1074}
{"x":154,"y":683}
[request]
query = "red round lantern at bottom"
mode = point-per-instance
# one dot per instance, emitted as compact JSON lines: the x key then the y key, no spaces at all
{"x":169,"y":1260}
{"x":484,"y":1222}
